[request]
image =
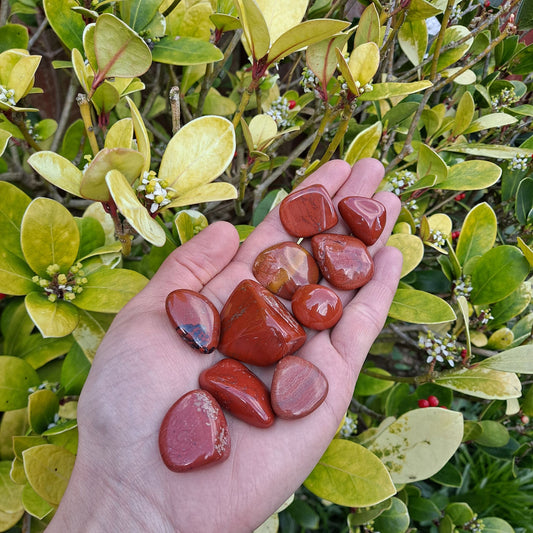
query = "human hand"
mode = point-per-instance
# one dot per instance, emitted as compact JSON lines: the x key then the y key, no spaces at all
{"x":142,"y":367}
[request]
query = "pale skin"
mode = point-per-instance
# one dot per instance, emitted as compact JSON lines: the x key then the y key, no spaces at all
{"x":142,"y":367}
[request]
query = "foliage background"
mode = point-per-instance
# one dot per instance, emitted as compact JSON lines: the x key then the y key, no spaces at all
{"x":103,"y":108}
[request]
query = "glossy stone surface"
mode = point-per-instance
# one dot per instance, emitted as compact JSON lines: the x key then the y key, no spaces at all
{"x":308,"y":211}
{"x":239,"y":391}
{"x":194,"y":433}
{"x":366,"y":217}
{"x":316,"y":307}
{"x":284,"y":267}
{"x":298,"y":387}
{"x":343,"y":260}
{"x":195,"y":318}
{"x":256,"y":327}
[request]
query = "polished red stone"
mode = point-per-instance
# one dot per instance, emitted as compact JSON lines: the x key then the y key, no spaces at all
{"x":195,"y":318}
{"x":316,"y":307}
{"x":256,"y":326}
{"x":366,"y":217}
{"x":239,"y":391}
{"x":308,"y":211}
{"x":194,"y":433}
{"x":284,"y":267}
{"x":298,"y":387}
{"x":343,"y":260}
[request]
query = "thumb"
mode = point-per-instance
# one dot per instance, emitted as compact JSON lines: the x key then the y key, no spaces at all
{"x":197,"y":261}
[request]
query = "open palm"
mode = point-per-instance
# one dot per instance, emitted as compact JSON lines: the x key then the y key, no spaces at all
{"x":119,"y":481}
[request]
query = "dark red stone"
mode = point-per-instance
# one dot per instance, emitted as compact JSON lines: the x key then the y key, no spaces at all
{"x":239,"y":391}
{"x":284,"y":267}
{"x":256,"y":327}
{"x":308,"y":211}
{"x":316,"y":307}
{"x":195,"y":318}
{"x":298,"y":387}
{"x":343,"y":260}
{"x":194,"y":433}
{"x":366,"y":217}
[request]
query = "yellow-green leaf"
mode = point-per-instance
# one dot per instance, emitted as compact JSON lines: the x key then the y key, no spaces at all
{"x":255,"y":29}
{"x":412,"y":250}
{"x":185,"y":51}
{"x":419,"y":307}
{"x":519,"y":359}
{"x":526,"y":250}
{"x":141,"y":134}
{"x":364,"y":143}
{"x":471,"y":175}
{"x":14,"y":203}
{"x":16,"y":377}
{"x":419,"y":443}
{"x":454,"y":53}
{"x":211,"y":192}
{"x":493,"y":120}
{"x":262,"y":128}
{"x":42,"y":406}
{"x":90,"y":331}
{"x":489,"y":150}
{"x":381,"y":91}
{"x":130,"y":206}
{"x":126,"y":161}
{"x":66,"y":23}
{"x":198,"y":153}
{"x":53,"y":319}
{"x":482,"y":382}
{"x":10,"y":492}
{"x":368,"y":29}
{"x":49,"y":236}
{"x":188,"y":223}
{"x":464,"y":115}
{"x":478,"y":233}
{"x":348,"y":474}
{"x":321,"y":58}
{"x":282,"y":15}
{"x":34,"y":504}
{"x":48,"y":468}
{"x":4,"y":138}
{"x":364,"y":62}
{"x":57,"y":170}
{"x":413,"y":40}
{"x":430,"y":163}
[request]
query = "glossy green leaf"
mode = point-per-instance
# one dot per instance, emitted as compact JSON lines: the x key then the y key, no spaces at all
{"x":368,"y":29}
{"x":92,"y":235}
{"x":66,"y":23}
{"x":10,"y":492}
{"x":16,"y":377}
{"x":74,"y":370}
{"x":188,"y":223}
{"x":224,"y":22}
{"x":497,"y":274}
{"x":105,"y":98}
{"x":460,"y":513}
{"x":49,"y":236}
{"x":14,"y":203}
{"x":464,"y":115}
{"x":108,"y":290}
{"x":369,"y":385}
{"x":494,"y":434}
{"x":423,"y":509}
{"x":119,"y":51}
{"x":14,"y":422}
{"x":413,"y":40}
{"x":53,"y":319}
{"x":501,"y":339}
{"x":4,"y":138}
{"x":255,"y":28}
{"x":198,"y":153}
{"x":454,"y":53}
{"x":48,"y":468}
{"x":421,"y":10}
{"x":15,"y":275}
{"x":382,"y":91}
{"x":448,"y":475}
{"x":412,"y":250}
{"x":393,"y":520}
{"x":302,"y":35}
{"x":419,"y":443}
{"x":420,"y":307}
{"x":190,"y":18}
{"x":16,"y":327}
{"x":493,"y":120}
{"x":42,"y":406}
{"x":34,"y":504}
{"x":481,"y":382}
{"x":478,"y":233}
{"x":364,"y":144}
{"x":489,"y":150}
{"x":38,"y":351}
{"x":493,"y":524}
{"x":185,"y":51}
{"x":519,"y":359}
{"x":526,"y":250}
{"x":362,"y":516}
{"x":130,"y":206}
{"x":13,"y":36}
{"x":137,"y":14}
{"x":126,"y":161}
{"x":8,"y":520}
{"x":244,"y":231}
{"x":57,"y":170}
{"x":430,"y":163}
{"x":524,"y":202}
{"x":349,"y":474}
{"x":90,"y":331}
{"x":471,"y":175}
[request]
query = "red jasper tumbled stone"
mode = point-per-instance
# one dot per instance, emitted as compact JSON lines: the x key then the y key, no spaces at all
{"x":366,"y":217}
{"x":195,"y":318}
{"x":194,"y":433}
{"x":308,"y":211}
{"x":284,"y":267}
{"x":239,"y":391}
{"x":343,"y":260}
{"x":298,"y":387}
{"x":256,"y":327}
{"x":316,"y":307}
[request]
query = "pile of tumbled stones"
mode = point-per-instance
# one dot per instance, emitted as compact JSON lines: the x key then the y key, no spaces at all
{"x":255,"y":327}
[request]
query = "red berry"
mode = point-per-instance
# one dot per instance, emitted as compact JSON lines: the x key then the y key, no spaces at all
{"x":423,"y":403}
{"x":2,"y":296}
{"x":487,"y":3}
{"x":433,"y":401}
{"x":460,"y":196}
{"x":292,"y":104}
{"x":464,"y":354}
{"x":455,"y":234}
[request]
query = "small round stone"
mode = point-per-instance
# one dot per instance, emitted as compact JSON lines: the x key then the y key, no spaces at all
{"x":284,"y":267}
{"x":316,"y":307}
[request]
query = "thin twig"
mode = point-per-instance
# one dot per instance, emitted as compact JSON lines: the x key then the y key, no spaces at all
{"x":37,"y":33}
{"x":65,"y":114}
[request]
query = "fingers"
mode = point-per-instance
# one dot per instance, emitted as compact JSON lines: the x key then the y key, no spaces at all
{"x":197,"y":261}
{"x":364,"y":316}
